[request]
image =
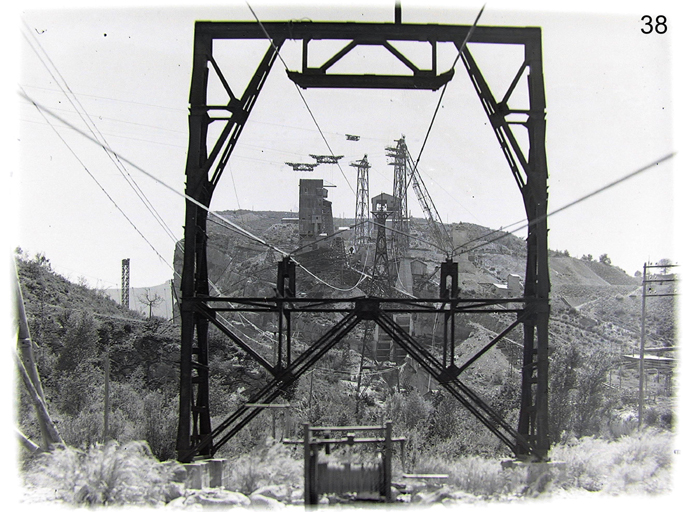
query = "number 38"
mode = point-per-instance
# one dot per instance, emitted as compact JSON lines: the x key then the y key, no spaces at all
{"x":659,"y":27}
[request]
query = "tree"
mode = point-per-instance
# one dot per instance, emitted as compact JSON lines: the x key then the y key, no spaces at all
{"x":587,"y":257}
{"x":150,"y":300}
{"x":663,"y":262}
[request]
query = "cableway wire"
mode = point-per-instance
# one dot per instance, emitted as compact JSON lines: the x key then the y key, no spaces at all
{"x":408,"y":235}
{"x":568,"y":205}
{"x":95,"y":180}
{"x":228,"y":222}
{"x":443,"y":90}
{"x":298,"y":90}
{"x":92,"y":127}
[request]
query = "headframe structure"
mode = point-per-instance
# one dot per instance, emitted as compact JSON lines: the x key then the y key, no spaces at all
{"x":207,"y":159}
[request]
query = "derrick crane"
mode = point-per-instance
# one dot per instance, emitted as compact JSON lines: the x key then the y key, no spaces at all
{"x":406,"y":173}
{"x":436,"y":225}
{"x":361,"y":232}
{"x":401,"y":222}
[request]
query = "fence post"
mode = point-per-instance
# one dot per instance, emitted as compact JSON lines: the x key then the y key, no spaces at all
{"x":388,"y":452}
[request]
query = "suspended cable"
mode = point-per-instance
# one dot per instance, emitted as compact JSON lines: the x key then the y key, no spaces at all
{"x":159,"y":181}
{"x":443,"y":90}
{"x":575,"y":202}
{"x":236,"y":227}
{"x":99,"y":184}
{"x":414,"y":166}
{"x":92,"y":127}
{"x":298,"y":90}
{"x":327,"y":236}
{"x":408,"y":235}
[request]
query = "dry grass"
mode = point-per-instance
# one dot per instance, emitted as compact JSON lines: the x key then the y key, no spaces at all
{"x":641,"y":463}
{"x":479,"y":476}
{"x":110,"y":474}
{"x":638,"y":464}
{"x":271,"y":464}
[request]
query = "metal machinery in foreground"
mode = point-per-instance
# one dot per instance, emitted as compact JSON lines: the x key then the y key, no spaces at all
{"x":326,"y":477}
{"x":208,"y":157}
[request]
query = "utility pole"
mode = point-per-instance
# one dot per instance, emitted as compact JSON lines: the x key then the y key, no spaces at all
{"x":641,"y":361}
{"x":107,"y":403}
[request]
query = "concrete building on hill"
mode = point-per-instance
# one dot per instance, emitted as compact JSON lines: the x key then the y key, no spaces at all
{"x":315,"y":211}
{"x":514,"y":287}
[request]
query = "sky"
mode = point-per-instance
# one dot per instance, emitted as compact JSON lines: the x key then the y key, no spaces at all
{"x":609,"y":94}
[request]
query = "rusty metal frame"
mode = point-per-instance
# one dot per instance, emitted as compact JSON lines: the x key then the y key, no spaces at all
{"x":206,"y":162}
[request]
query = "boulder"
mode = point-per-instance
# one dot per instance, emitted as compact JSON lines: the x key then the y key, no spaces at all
{"x":277,"y":492}
{"x":260,"y":501}
{"x":219,"y":498}
{"x":173,"y":491}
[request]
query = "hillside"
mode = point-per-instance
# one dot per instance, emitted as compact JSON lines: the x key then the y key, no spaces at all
{"x":594,"y":322}
{"x":74,"y":329}
{"x":595,"y":305}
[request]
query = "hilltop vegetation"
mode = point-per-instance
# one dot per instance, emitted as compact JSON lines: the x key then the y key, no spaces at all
{"x":74,"y":328}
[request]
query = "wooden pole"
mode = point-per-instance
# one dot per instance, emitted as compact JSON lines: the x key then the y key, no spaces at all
{"x":29,"y":372}
{"x":52,"y":435}
{"x":641,"y":361}
{"x":388,"y":452}
{"x":107,"y":405}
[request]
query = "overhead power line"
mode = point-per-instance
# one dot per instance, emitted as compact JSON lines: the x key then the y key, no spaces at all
{"x":298,"y":90}
{"x":568,"y":205}
{"x":237,"y":228}
{"x":92,"y":127}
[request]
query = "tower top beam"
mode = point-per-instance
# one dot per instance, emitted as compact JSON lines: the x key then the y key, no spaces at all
{"x":370,"y":32}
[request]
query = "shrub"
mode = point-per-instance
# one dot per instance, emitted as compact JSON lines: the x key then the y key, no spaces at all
{"x":110,"y":474}
{"x":480,"y":476}
{"x":640,"y":464}
{"x":270,"y":464}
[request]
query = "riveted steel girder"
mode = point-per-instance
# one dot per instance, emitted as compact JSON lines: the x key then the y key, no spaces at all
{"x":205,"y":165}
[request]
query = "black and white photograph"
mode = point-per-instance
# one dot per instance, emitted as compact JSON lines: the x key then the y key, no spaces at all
{"x":392,"y":253}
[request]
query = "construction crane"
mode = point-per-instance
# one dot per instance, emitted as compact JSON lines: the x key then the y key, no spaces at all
{"x":436,"y":225}
{"x":361,"y":222}
{"x":401,"y":222}
{"x":406,"y":173}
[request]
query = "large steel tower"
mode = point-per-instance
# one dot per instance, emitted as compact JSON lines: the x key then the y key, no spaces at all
{"x":361,"y":232}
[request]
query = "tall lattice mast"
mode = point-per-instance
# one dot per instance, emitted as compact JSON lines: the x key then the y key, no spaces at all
{"x":125,"y":283}
{"x":399,"y":156}
{"x":381,"y":272}
{"x":361,"y":233}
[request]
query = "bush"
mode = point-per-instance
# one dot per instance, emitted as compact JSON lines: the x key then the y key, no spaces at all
{"x":270,"y":464}
{"x":637,"y":464}
{"x":110,"y":474}
{"x":480,"y":476}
